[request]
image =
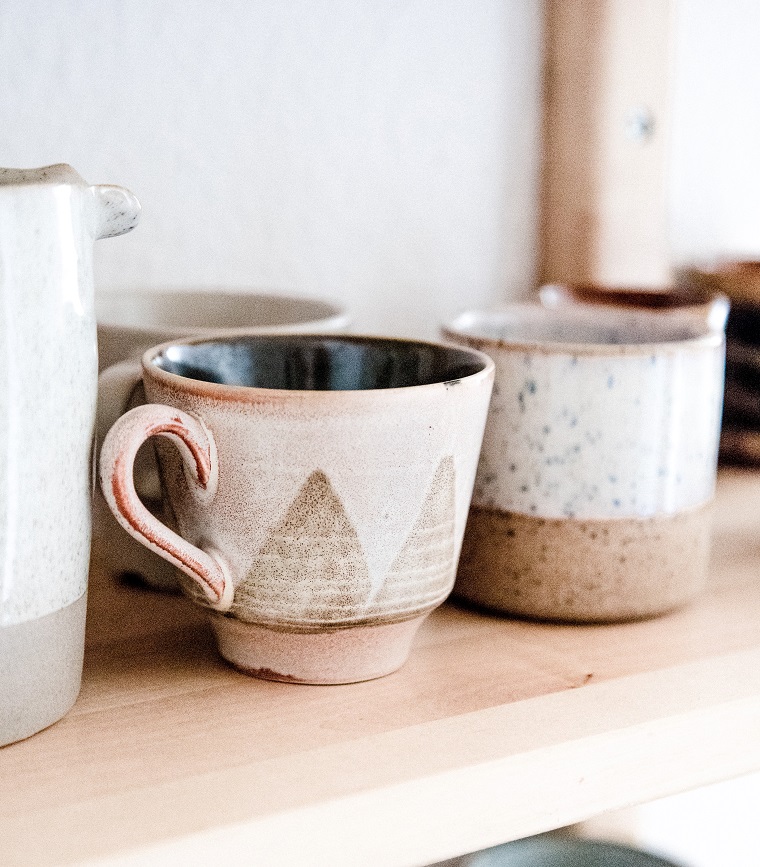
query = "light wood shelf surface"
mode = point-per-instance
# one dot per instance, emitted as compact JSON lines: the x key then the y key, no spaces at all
{"x":494,"y":729}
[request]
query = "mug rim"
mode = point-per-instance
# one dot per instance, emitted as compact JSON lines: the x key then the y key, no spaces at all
{"x":334,"y":314}
{"x":258,"y":394}
{"x":457,"y":330}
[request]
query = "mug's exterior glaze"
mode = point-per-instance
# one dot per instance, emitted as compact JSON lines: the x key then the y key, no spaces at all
{"x":129,"y":323}
{"x":48,"y":220}
{"x":322,"y":526}
{"x":593,"y":495}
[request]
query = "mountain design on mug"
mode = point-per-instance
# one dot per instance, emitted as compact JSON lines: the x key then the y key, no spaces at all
{"x":312,"y":568}
{"x":423,"y":572}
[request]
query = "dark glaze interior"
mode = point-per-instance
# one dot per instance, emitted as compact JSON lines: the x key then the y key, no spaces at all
{"x":312,"y":363}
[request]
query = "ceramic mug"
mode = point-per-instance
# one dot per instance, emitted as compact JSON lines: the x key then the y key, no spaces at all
{"x":593,"y":494}
{"x":131,"y":321}
{"x":320,"y":486}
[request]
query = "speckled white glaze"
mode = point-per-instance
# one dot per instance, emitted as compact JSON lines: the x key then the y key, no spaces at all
{"x":132,"y":321}
{"x":597,"y":414}
{"x":49,"y":218}
{"x":331,"y":509}
{"x":592,"y":499}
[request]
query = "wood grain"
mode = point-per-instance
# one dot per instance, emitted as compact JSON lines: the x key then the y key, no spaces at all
{"x":495,"y":728}
{"x":604,"y":190}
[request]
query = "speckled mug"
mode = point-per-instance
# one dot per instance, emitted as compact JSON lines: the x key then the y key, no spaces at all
{"x":593,"y":493}
{"x":320,"y":487}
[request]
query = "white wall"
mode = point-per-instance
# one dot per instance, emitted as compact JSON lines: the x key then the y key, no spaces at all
{"x":715,"y":154}
{"x":382,"y":153}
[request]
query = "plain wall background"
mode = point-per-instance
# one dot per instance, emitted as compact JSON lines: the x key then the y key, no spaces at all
{"x":715,"y":150}
{"x":381,"y":153}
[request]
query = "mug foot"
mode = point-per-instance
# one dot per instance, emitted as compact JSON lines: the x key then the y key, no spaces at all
{"x":347,"y":655}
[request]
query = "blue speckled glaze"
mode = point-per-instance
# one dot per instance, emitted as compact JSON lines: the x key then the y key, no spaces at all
{"x":605,"y":429}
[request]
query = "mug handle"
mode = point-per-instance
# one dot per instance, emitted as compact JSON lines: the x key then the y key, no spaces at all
{"x":119,"y":390}
{"x":198,"y":450}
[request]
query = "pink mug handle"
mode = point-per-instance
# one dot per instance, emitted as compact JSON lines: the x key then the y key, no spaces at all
{"x":198,"y":450}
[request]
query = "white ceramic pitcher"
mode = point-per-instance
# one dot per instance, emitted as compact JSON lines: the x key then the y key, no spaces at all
{"x":49,"y":218}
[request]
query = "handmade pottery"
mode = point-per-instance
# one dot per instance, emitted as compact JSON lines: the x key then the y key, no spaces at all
{"x":681,"y":303}
{"x":131,"y":321}
{"x":740,"y":281}
{"x":49,"y":218}
{"x":592,"y":500}
{"x":320,"y":488}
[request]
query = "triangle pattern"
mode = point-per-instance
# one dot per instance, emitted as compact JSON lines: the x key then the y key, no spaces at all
{"x":422,"y":574}
{"x":311,"y":568}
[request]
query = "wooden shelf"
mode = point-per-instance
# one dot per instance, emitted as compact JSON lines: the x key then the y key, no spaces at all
{"x":495,"y":729}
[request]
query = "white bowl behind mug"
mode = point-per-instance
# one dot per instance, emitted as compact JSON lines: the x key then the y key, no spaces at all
{"x":131,"y":321}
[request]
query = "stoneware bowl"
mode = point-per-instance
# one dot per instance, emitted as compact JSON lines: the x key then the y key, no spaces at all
{"x":319,"y":487}
{"x":132,"y":320}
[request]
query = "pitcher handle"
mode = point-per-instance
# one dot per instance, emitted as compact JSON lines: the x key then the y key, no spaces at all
{"x":198,"y":450}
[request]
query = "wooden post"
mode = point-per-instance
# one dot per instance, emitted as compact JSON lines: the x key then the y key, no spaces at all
{"x":606,"y":118}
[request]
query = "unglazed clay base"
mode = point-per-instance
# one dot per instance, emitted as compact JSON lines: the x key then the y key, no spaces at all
{"x":345,"y":655}
{"x":584,"y":570}
{"x":40,"y":670}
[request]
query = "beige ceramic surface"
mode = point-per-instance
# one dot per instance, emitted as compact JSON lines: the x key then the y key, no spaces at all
{"x":49,"y":218}
{"x":131,"y":321}
{"x":331,"y":519}
{"x":598,"y":462}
